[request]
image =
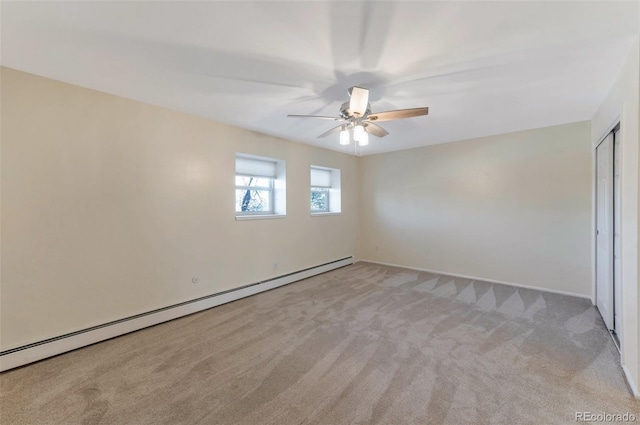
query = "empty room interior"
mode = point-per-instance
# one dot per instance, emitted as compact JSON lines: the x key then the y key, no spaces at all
{"x":275,"y":212}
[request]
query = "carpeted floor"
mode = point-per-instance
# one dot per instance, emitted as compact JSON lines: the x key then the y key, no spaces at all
{"x":365,"y":344}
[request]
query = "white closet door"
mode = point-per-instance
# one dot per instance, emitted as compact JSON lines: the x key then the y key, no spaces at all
{"x":604,"y":230}
{"x":617,"y":227}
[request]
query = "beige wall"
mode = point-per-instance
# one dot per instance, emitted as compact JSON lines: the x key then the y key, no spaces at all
{"x":622,"y":105}
{"x":513,"y":208}
{"x":111,"y":206}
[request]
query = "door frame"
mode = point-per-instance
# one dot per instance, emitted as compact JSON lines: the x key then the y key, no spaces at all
{"x":616,"y":215}
{"x":617,"y":229}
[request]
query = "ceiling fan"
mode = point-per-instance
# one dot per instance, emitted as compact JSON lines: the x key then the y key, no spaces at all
{"x":356,"y":115}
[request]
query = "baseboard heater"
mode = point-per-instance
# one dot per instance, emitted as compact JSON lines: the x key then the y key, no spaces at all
{"x":30,"y":353}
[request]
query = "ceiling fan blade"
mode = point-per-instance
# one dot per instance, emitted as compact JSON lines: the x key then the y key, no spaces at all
{"x":398,"y":114}
{"x":375,"y":129}
{"x":359,"y":101}
{"x":316,"y":116}
{"x":333,"y":130}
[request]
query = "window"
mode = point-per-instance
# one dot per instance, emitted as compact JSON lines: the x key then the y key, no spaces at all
{"x":320,"y":185}
{"x":259,"y":186}
{"x":319,"y":199}
{"x":254,"y":194}
{"x":325,"y":190}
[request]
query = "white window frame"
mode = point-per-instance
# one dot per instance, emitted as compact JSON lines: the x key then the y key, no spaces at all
{"x":277,"y":188}
{"x":334,"y":195}
{"x":264,"y":188}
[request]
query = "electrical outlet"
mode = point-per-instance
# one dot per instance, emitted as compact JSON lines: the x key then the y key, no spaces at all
{"x":195,"y":280}
{"x":275,"y":266}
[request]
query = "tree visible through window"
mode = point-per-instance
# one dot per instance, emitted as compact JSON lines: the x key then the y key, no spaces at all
{"x":319,"y":199}
{"x":254,"y":194}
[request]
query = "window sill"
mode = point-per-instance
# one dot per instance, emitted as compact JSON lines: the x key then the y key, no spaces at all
{"x":259,"y":217}
{"x":316,"y":214}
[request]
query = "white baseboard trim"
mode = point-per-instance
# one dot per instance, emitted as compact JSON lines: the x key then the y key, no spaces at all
{"x":519,"y":285}
{"x":632,"y":385}
{"x":21,"y":356}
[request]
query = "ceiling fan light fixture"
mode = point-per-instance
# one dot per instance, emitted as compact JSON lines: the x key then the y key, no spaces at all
{"x":358,"y":133}
{"x":344,"y":137}
{"x":364,"y":139}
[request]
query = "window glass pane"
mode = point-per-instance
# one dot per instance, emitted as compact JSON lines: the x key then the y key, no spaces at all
{"x":253,"y":200}
{"x":319,"y":199}
{"x":253,"y":181}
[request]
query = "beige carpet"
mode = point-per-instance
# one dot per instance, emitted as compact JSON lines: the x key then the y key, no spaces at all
{"x":365,"y":344}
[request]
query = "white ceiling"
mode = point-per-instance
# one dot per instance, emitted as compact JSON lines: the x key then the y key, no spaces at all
{"x":483,"y":68}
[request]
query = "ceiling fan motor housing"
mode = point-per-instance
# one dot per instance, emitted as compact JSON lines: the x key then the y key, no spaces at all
{"x":345,"y":112}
